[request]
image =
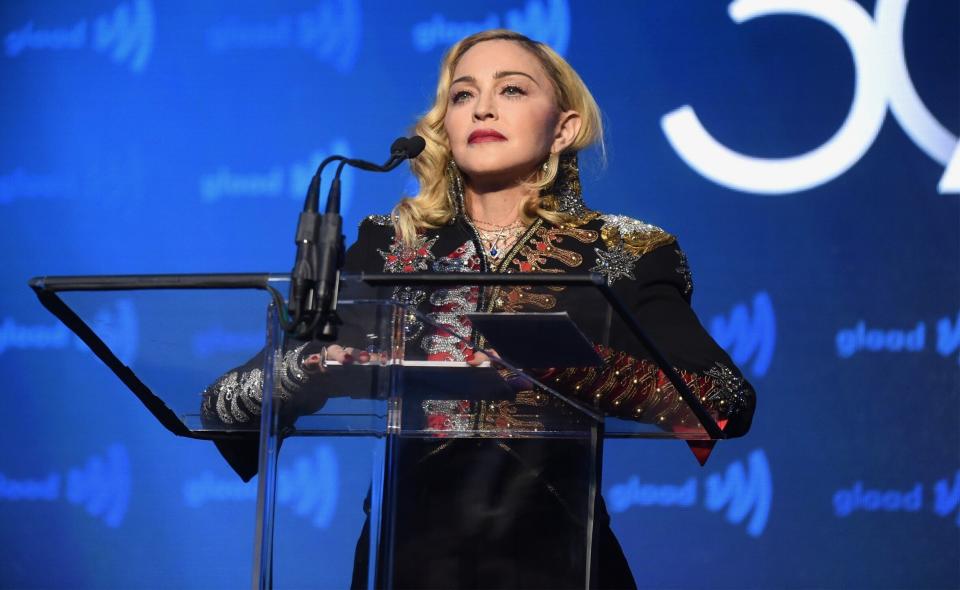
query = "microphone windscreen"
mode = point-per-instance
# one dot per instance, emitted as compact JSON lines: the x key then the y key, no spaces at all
{"x":399,"y":145}
{"x":415,"y":145}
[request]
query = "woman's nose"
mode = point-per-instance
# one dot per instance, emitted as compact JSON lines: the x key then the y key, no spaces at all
{"x":484,"y":109}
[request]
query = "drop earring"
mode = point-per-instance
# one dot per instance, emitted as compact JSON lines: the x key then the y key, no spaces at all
{"x":454,"y":189}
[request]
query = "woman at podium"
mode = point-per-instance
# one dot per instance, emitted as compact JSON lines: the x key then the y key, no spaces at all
{"x":500,"y":193}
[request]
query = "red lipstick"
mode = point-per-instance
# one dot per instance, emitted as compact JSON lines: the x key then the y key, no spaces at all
{"x":485,"y":135}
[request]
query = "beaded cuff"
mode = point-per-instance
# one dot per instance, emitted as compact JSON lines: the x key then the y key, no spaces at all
{"x":236,"y":398}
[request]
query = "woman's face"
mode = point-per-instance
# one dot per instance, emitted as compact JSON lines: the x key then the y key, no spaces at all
{"x":502,"y":118}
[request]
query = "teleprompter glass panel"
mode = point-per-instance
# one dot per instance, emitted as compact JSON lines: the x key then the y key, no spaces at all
{"x":178,"y":343}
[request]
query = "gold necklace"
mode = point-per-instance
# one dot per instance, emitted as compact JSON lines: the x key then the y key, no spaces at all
{"x":499,"y":237}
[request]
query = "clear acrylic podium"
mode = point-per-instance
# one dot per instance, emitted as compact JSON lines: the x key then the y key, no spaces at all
{"x":565,"y":378}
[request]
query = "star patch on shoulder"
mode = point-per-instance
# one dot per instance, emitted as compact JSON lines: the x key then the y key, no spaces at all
{"x":403,"y":258}
{"x":615,"y":263}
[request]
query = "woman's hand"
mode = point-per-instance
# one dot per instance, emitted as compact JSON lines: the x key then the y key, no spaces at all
{"x":479,"y":357}
{"x":317,"y":362}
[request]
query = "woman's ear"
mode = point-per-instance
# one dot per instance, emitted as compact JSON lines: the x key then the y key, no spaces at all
{"x":568,"y":126}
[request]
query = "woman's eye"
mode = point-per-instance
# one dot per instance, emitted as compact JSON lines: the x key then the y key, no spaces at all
{"x":513,"y":91}
{"x":460,"y":96}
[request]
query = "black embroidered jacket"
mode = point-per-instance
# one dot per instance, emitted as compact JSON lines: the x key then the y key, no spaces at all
{"x":644,"y":265}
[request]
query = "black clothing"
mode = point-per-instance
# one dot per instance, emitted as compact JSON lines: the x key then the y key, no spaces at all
{"x":495,"y":512}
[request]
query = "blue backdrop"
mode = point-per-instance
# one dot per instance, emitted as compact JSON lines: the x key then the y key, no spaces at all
{"x":804,"y":152}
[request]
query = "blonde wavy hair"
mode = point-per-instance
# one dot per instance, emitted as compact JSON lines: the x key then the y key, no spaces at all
{"x":432,"y":207}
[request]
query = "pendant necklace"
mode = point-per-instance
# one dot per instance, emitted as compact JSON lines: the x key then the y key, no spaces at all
{"x":496,"y":238}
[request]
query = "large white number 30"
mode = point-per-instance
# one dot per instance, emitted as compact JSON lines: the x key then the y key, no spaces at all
{"x":881,"y":76}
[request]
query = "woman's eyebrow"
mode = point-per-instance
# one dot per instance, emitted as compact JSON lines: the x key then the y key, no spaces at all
{"x":469,"y":79}
{"x":507,"y":73}
{"x":496,"y":76}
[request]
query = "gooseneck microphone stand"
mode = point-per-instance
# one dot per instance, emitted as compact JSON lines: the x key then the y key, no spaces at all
{"x":314,"y":281}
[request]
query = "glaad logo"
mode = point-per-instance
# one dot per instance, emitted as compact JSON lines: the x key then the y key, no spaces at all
{"x":948,"y":336}
{"x":747,"y":335}
{"x":20,"y":184}
{"x":278,"y":182}
{"x":101,"y":486}
{"x":945,"y":499}
{"x":846,"y":502}
{"x":125,"y":36}
{"x":310,"y":488}
{"x":544,"y":20}
{"x":635,"y":493}
{"x":331,"y":32}
{"x":861,"y":338}
{"x":118,"y":326}
{"x":859,"y":498}
{"x":878,"y":84}
{"x":745,"y":491}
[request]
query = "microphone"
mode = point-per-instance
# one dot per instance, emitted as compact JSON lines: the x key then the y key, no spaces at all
{"x":408,"y":147}
{"x":415,"y":146}
{"x":320,"y":250}
{"x":398,"y":146}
